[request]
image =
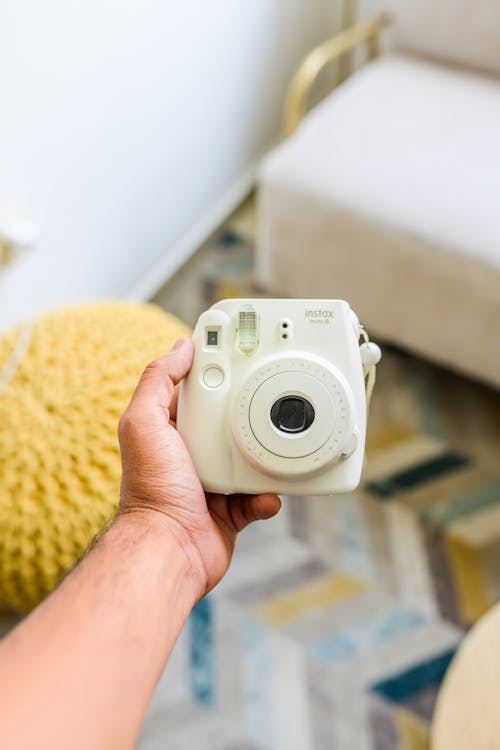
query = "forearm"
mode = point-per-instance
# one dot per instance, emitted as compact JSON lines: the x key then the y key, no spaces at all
{"x":79,"y":672}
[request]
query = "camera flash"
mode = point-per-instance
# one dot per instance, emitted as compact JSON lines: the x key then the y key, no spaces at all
{"x":248,"y":333}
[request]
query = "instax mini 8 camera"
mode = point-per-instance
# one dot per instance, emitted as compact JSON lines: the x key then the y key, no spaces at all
{"x":275,"y":400}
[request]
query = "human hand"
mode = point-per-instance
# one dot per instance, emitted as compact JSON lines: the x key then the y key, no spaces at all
{"x":160,"y":481}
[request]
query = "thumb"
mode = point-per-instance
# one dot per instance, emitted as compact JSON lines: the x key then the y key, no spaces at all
{"x":160,"y":377}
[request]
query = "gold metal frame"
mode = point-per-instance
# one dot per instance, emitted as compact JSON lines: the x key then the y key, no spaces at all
{"x":318,"y":58}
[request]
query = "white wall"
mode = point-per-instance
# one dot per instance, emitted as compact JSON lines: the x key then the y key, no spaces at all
{"x":128,"y":128}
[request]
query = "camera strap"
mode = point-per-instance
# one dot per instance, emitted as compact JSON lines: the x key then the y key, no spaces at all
{"x":370,"y":372}
{"x":370,"y":357}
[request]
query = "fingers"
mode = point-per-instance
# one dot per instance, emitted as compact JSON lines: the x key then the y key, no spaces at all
{"x":245,"y":509}
{"x":173,"y":403}
{"x":158,"y":381}
{"x":261,"y":507}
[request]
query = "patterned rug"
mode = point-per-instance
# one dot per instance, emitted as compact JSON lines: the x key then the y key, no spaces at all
{"x":338,"y":618}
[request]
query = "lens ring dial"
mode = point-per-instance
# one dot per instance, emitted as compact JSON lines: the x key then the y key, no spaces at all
{"x":261,"y":450}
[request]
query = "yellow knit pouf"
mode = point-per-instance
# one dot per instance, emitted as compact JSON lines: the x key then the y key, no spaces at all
{"x":59,"y":455}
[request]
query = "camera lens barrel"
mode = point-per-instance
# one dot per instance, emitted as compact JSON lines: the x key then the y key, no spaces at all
{"x":292,"y":414}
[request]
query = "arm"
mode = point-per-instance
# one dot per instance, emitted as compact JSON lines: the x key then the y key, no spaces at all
{"x":80,"y":670}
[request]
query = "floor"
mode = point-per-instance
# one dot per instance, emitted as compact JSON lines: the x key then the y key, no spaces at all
{"x":337,"y":620}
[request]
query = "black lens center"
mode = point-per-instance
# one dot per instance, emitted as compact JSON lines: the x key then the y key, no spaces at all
{"x":292,"y":414}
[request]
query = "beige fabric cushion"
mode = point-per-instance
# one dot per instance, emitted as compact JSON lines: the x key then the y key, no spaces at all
{"x":410,"y":145}
{"x":463,"y":32}
{"x":388,"y":196}
{"x":406,"y":290}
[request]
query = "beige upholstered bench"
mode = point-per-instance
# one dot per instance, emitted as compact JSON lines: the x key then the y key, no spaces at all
{"x":388,"y":192}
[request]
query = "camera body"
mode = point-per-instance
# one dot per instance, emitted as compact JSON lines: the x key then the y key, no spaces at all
{"x":275,"y":399}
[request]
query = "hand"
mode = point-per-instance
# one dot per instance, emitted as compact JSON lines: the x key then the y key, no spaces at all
{"x":159,"y":478}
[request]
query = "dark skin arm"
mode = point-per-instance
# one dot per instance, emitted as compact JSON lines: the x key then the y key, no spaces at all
{"x":80,"y":670}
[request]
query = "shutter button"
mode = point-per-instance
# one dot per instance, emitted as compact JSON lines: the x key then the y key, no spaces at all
{"x":213,"y":377}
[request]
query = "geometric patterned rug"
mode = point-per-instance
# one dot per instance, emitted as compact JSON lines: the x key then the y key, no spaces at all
{"x":338,"y":619}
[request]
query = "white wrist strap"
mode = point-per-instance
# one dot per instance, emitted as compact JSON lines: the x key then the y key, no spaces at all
{"x":370,"y":372}
{"x":370,"y":355}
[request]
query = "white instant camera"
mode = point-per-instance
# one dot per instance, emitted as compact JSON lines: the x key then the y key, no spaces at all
{"x":275,"y":400}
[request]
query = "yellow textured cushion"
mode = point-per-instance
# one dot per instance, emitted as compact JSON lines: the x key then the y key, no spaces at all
{"x":59,"y":456}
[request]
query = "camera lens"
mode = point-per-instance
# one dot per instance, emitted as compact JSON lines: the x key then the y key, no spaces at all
{"x":292,"y":414}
